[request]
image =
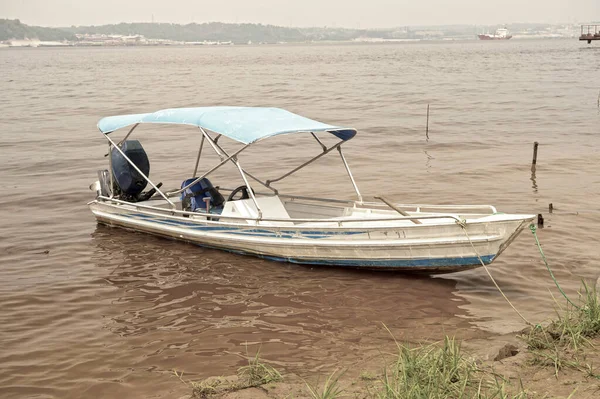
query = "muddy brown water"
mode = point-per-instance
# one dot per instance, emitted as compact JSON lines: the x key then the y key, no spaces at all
{"x":91,"y":311}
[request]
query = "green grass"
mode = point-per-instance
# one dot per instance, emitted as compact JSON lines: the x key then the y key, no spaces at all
{"x":441,"y":372}
{"x":330,"y":390}
{"x":258,"y":373}
{"x":559,"y":343}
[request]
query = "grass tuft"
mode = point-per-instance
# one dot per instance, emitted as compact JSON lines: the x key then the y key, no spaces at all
{"x":367,"y":376}
{"x":558,"y":343}
{"x":330,"y":390}
{"x":440,"y":372}
{"x":205,"y":388}
{"x":258,"y":373}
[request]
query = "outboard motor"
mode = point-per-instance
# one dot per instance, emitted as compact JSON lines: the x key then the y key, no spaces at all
{"x":128,"y":182}
{"x":192,"y":198}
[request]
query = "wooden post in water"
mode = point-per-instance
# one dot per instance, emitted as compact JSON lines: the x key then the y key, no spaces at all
{"x":427,"y":126}
{"x":540,"y":221}
{"x":550,"y":207}
{"x":535,"y":147}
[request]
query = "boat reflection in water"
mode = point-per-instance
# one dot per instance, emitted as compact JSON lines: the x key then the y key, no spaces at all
{"x":176,"y":306}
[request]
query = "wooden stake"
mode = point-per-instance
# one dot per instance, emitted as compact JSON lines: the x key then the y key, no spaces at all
{"x":427,"y":126}
{"x":540,"y":221}
{"x":550,"y":207}
{"x":535,"y":147}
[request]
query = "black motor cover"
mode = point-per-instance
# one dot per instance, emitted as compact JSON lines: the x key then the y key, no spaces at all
{"x":128,"y":180}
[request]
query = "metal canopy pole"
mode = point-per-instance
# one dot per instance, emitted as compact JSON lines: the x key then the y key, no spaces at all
{"x":323,"y":146}
{"x":128,"y":134}
{"x":360,"y":200}
{"x":139,"y":171}
{"x":233,"y":159}
{"x":212,"y":143}
{"x":245,"y":171}
{"x":172,"y":193}
{"x":305,"y":163}
{"x":261,"y":182}
{"x":112,"y":185}
{"x":110,"y":170}
{"x":237,"y":163}
{"x":198,"y":159}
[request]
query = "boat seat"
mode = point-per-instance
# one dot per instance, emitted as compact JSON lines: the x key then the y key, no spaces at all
{"x":192,"y":198}
{"x":271,"y":207}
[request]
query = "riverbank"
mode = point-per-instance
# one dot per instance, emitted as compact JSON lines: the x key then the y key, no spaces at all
{"x":558,"y":359}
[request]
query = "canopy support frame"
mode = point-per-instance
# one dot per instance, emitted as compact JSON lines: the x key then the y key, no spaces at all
{"x":250,"y":191}
{"x":328,"y":150}
{"x":245,"y":171}
{"x":128,"y":134}
{"x":323,"y":146}
{"x":110,"y":170}
{"x":225,"y":157}
{"x":223,"y":162}
{"x":233,"y":158}
{"x":198,"y":159}
{"x":139,"y":171}
{"x":360,"y":199}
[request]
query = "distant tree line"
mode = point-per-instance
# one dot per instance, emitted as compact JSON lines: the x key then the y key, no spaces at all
{"x":212,"y":31}
{"x":218,"y":31}
{"x":14,"y":29}
{"x":237,"y":33}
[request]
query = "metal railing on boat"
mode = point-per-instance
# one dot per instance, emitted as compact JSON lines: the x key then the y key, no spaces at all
{"x":417,"y":207}
{"x":173,"y":212}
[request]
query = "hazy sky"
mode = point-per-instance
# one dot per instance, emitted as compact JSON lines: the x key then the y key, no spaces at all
{"x":339,"y":13}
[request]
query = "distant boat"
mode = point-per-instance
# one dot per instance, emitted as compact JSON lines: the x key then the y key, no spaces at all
{"x":500,"y":34}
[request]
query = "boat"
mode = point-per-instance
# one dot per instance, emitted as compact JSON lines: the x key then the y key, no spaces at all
{"x":257,"y":219}
{"x":500,"y":34}
{"x":593,"y":33}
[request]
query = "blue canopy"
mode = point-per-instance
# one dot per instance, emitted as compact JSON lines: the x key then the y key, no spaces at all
{"x":244,"y":124}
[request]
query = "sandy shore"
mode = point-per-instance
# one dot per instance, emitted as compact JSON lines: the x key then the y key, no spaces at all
{"x":574,"y":375}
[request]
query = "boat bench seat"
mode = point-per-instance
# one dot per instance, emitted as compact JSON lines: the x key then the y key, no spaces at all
{"x":271,"y":207}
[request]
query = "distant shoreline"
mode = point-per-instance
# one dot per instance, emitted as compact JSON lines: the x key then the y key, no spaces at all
{"x":14,"y":33}
{"x":40,"y":44}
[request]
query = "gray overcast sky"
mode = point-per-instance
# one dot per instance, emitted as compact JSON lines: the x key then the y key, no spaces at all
{"x":339,"y":13}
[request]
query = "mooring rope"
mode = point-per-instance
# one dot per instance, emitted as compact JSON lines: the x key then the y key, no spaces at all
{"x":537,"y":241}
{"x":533,"y":229}
{"x":463,"y":224}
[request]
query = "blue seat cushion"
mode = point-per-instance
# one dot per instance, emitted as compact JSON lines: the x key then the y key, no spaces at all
{"x":192,"y":198}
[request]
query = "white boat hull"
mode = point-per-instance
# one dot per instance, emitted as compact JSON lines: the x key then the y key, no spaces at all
{"x":436,"y":246}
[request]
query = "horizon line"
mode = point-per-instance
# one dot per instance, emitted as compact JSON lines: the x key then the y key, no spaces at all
{"x":305,"y":27}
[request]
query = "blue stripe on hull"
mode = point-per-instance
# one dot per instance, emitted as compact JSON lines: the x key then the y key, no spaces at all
{"x":396,"y":264}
